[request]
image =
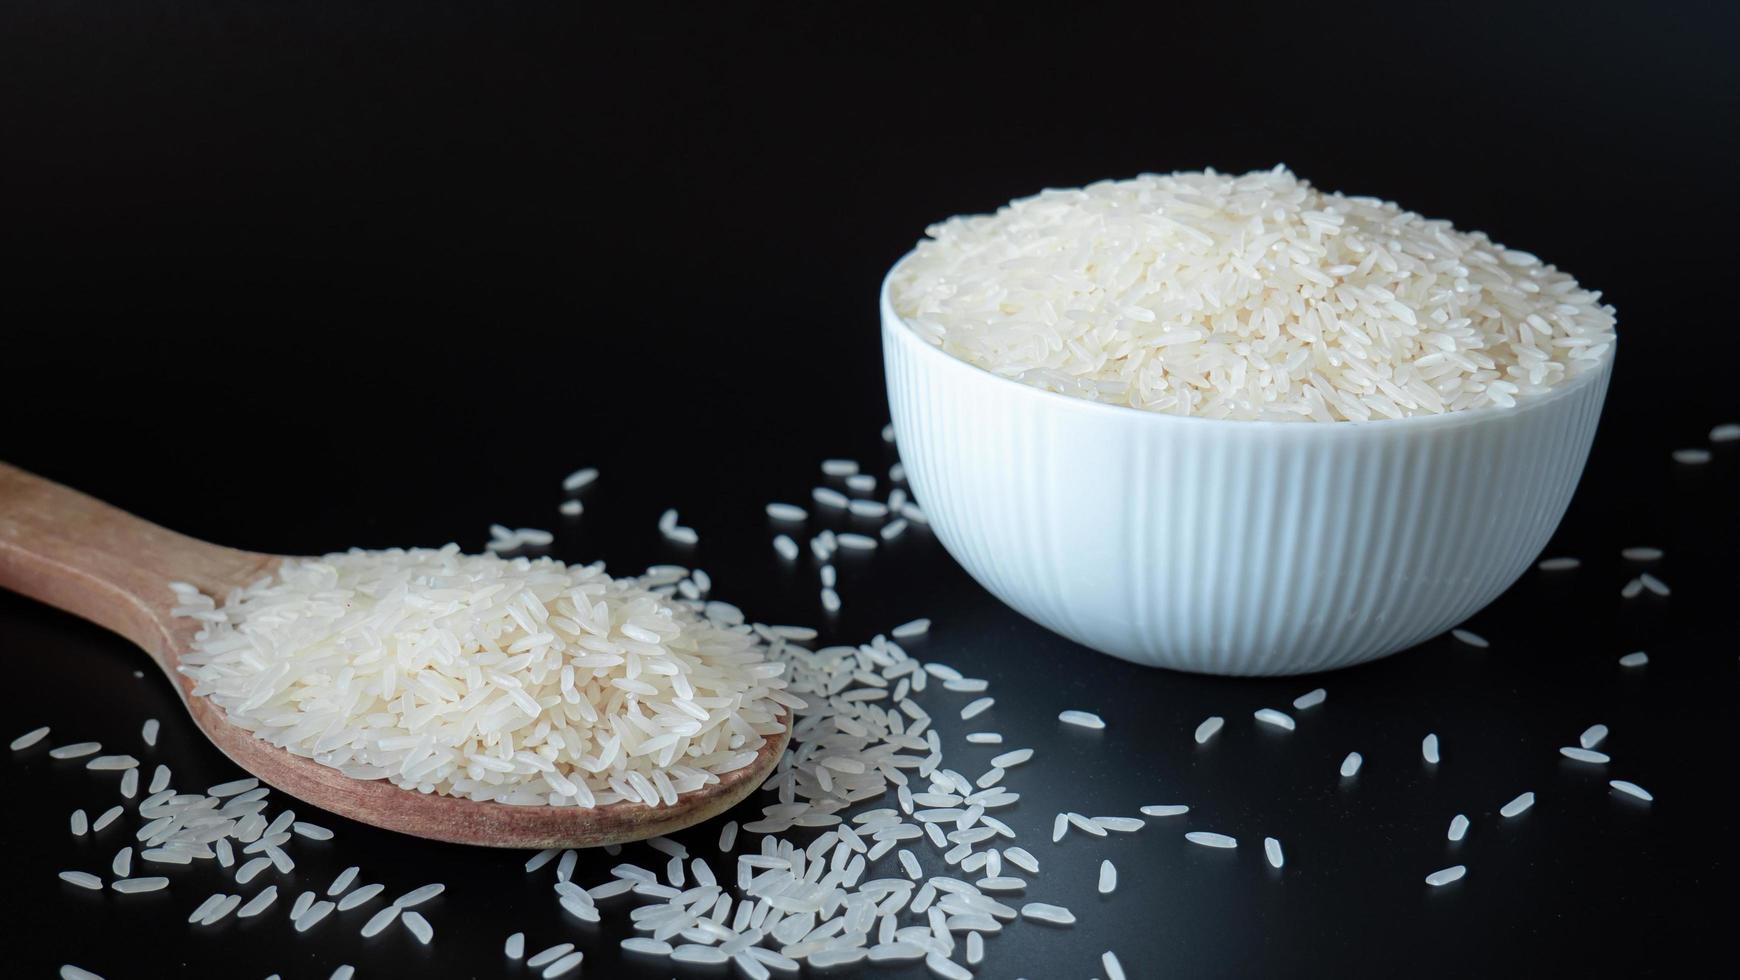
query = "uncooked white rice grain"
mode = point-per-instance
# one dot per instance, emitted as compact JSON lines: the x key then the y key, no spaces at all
{"x":1726,"y":432}
{"x":345,"y":972}
{"x":1517,"y":805}
{"x":563,"y":966}
{"x":1558,"y":564}
{"x":1209,"y":727}
{"x":830,"y":601}
{"x":1579,"y":754}
{"x":1020,"y":857}
{"x":259,"y":903}
{"x":1641,"y":554}
{"x":975,"y":948}
{"x":1272,"y":851}
{"x":579,"y":479}
{"x":976,"y":707}
{"x":419,"y":927}
{"x":1108,"y":878}
{"x":549,"y":955}
{"x":122,"y":866}
{"x":251,"y":869}
{"x":943,"y":967}
{"x":839,"y":467}
{"x":1208,"y":839}
{"x":570,"y":508}
{"x":311,"y":831}
{"x":1458,"y":827}
{"x":1166,"y":810}
{"x":360,"y":896}
{"x":830,"y":577}
{"x":1637,"y":659}
{"x":112,"y":763}
{"x":1446,"y":876}
{"x":829,"y":497}
{"x":857,"y":542}
{"x":233,"y":787}
{"x":1631,"y":789}
{"x":1692,"y":457}
{"x":380,"y":920}
{"x":1653,"y":584}
{"x":786,"y":547}
{"x":907,"y":630}
{"x":77,"y":750}
{"x":861,"y":482}
{"x":417,"y":896}
{"x":515,"y":946}
{"x":108,"y":817}
{"x":343,"y":881}
{"x":888,"y":432}
{"x":1310,"y":699}
{"x":696,"y":953}
{"x":893,"y":529}
{"x":130,"y":783}
{"x":149,"y":732}
{"x":728,"y":836}
{"x":1474,"y":640}
{"x":224,"y":908}
{"x":83,"y":879}
{"x":786,"y":512}
{"x":1042,"y":912}
{"x":1083,"y":719}
{"x":1109,"y":963}
{"x":30,"y":738}
{"x":1279,"y":719}
{"x":1429,"y":748}
{"x":70,"y":972}
{"x":1631,"y":589}
{"x":1592,"y":736}
{"x":159,"y":780}
{"x":80,"y":823}
{"x":1350,"y":765}
{"x":133,"y":886}
{"x":984,"y":738}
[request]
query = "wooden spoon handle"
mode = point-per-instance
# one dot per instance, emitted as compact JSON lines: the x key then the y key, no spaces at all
{"x":100,"y":563}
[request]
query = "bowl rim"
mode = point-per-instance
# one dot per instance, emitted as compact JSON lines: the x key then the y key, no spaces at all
{"x":1560,"y":392}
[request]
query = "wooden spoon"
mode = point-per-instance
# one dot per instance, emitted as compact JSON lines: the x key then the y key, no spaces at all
{"x":81,"y":555}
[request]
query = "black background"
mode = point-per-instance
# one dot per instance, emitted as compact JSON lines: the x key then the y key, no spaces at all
{"x":297,"y":277}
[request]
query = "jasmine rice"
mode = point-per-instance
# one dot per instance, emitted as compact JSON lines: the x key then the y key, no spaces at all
{"x":508,"y":680}
{"x":1248,"y":297}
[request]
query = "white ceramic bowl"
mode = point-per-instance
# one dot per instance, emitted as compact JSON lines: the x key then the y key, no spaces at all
{"x":1229,"y":547}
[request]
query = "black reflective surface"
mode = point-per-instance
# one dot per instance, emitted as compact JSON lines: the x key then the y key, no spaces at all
{"x":296,"y":279}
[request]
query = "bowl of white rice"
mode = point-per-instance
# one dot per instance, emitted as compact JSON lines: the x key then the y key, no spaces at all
{"x":1238,"y":424}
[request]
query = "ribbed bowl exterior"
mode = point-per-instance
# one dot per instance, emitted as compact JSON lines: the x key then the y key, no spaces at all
{"x":1246,"y":548}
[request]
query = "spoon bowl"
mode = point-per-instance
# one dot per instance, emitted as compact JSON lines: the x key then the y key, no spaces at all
{"x":78,"y":554}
